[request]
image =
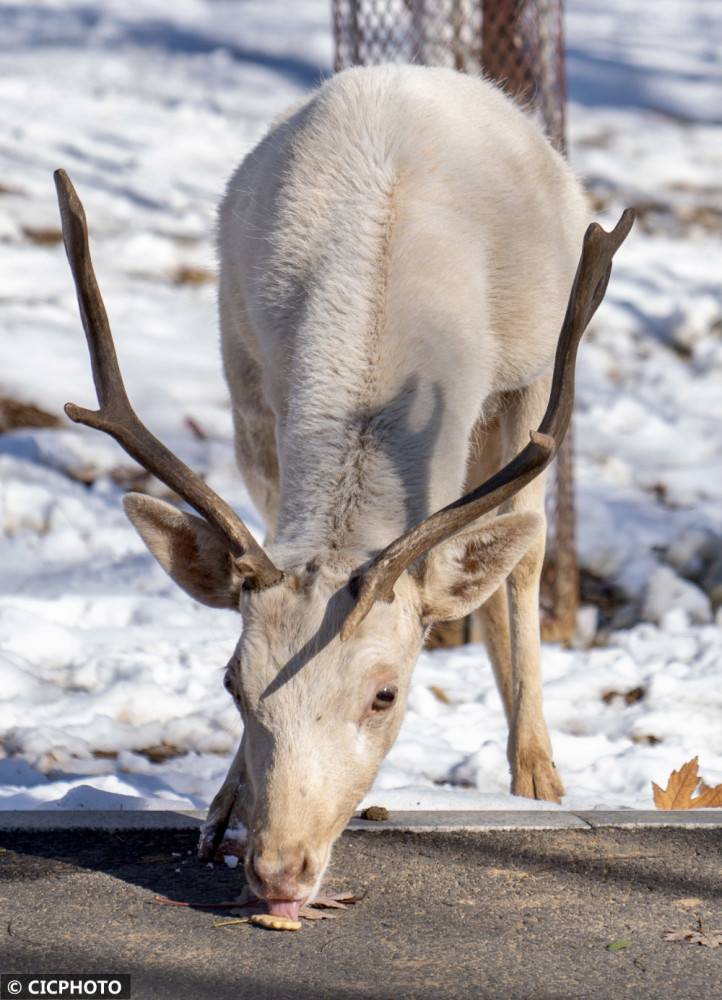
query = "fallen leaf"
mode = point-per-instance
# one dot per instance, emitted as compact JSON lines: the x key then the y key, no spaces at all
{"x":618,"y":945}
{"x":344,"y":897}
{"x":317,"y":910}
{"x":670,"y":935}
{"x":309,"y":914}
{"x":710,"y":939}
{"x":338,"y":901}
{"x":328,"y":902}
{"x":709,"y":796}
{"x":629,"y":697}
{"x":15,"y":415}
{"x":681,"y":788}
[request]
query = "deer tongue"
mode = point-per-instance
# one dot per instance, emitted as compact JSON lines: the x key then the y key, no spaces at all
{"x":285,"y":907}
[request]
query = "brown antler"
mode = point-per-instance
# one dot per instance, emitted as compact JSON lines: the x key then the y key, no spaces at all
{"x":590,"y":284}
{"x":117,"y":417}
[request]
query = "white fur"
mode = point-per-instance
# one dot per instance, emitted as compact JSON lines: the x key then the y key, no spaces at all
{"x":396,"y":256}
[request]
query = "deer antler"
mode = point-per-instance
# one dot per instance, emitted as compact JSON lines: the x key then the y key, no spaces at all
{"x":117,"y":417}
{"x":590,"y":284}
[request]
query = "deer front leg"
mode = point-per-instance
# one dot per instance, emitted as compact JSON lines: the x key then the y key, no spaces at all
{"x":533,"y":772}
{"x":529,"y":750}
{"x":224,"y":832}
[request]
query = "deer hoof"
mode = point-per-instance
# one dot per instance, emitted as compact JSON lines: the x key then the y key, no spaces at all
{"x":222,"y":836}
{"x":539,"y":780}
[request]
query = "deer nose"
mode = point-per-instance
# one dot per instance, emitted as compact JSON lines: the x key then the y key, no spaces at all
{"x":280,"y":877}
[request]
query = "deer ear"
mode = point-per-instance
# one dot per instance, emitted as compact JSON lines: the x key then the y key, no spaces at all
{"x":466,"y":569}
{"x":189,"y":550}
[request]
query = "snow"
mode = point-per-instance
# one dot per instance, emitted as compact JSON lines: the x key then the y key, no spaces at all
{"x":111,"y":693}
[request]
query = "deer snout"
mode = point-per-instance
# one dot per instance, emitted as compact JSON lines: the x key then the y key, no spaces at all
{"x":290,"y":875}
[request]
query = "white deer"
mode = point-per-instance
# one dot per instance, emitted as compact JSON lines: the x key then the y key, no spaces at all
{"x":396,"y":256}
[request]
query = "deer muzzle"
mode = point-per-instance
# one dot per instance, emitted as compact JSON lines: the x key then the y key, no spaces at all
{"x":287,"y":878}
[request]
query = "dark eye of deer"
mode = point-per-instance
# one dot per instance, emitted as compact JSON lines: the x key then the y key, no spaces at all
{"x":385,"y":697}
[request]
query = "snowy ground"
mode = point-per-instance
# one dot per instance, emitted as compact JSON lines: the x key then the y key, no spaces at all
{"x":110,"y":691}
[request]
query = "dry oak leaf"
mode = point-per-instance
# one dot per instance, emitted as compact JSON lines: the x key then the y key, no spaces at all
{"x":681,"y":788}
{"x":710,"y":939}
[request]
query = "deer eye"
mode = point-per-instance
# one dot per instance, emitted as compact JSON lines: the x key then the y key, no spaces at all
{"x":385,"y":697}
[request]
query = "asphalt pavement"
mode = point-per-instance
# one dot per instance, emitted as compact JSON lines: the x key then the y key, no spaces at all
{"x":504,"y":906}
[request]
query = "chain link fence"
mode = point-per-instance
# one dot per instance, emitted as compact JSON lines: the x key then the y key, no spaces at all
{"x":520,"y":45}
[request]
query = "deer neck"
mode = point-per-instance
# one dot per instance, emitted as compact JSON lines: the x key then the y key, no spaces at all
{"x":370,"y":475}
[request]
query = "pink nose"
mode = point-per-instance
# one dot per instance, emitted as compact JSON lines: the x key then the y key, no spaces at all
{"x":279,"y":878}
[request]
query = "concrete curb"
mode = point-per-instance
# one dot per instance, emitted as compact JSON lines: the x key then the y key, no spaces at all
{"x":418,"y":821}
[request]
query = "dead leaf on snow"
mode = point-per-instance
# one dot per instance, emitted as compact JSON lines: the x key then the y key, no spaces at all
{"x":681,"y":788}
{"x":15,"y":415}
{"x":439,"y":693}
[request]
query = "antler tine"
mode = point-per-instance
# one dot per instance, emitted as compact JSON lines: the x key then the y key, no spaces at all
{"x":116,"y":415}
{"x":590,"y":284}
